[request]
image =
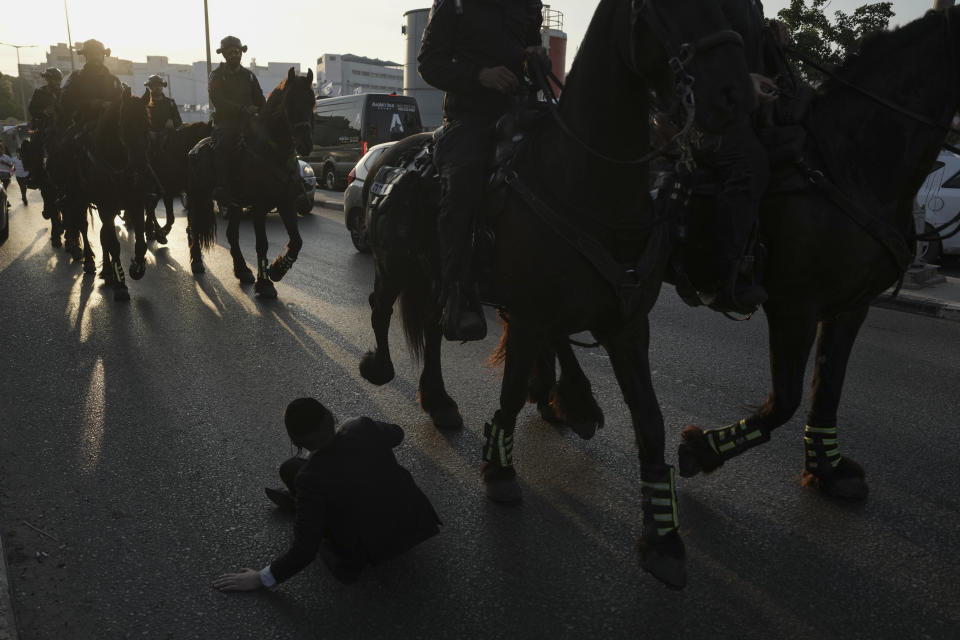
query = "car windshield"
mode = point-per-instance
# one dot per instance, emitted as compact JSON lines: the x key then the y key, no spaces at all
{"x":389,"y":120}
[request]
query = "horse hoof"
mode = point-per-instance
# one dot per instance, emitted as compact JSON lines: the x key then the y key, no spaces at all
{"x":665,"y":559}
{"x":447,"y":418}
{"x":281,"y":264}
{"x":694,"y":454}
{"x":90,"y":265}
{"x":548,"y":414}
{"x":585,"y":430}
{"x":121,"y":294}
{"x":847,"y":482}
{"x":375,"y":372}
{"x":76,"y":253}
{"x":265,"y":289}
{"x":161,"y":237}
{"x":56,"y":242}
{"x":197,"y":266}
{"x":243,"y":273}
{"x":138,"y":268}
{"x":501,"y":485}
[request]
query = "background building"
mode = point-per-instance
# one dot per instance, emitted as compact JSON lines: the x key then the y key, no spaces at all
{"x":340,"y":75}
{"x":186,"y":83}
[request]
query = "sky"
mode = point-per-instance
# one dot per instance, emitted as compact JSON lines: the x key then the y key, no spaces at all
{"x":278,"y":31}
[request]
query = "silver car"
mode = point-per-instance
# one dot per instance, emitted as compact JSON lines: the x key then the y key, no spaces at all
{"x":353,"y":204}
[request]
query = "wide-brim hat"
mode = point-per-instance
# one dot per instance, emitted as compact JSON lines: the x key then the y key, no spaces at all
{"x":93,"y":46}
{"x":232,"y":41}
{"x":52,"y":72}
{"x":155,"y":79}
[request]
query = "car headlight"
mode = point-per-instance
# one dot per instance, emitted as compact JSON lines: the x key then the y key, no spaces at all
{"x":308,"y":170}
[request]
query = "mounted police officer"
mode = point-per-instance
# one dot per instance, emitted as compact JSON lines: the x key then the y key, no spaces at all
{"x":235,"y":95}
{"x":739,"y":162}
{"x":43,"y":104}
{"x":91,"y":89}
{"x":162,"y":110}
{"x":473,"y":50}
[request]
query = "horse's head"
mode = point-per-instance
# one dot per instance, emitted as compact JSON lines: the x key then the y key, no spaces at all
{"x":298,"y":105}
{"x":134,"y":125}
{"x":687,"y":45}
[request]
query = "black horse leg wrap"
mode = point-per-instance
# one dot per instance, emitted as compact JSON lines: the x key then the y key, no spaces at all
{"x":659,"y":499}
{"x":821,"y":452}
{"x":731,"y":441}
{"x":498,"y":448}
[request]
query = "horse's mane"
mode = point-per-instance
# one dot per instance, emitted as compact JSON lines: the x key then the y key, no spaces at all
{"x":601,"y":17}
{"x":883,"y":46}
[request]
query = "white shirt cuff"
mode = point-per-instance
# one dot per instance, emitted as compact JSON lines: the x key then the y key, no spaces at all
{"x":267,"y":579}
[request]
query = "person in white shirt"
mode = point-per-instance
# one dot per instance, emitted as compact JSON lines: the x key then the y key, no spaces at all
{"x":21,"y":174}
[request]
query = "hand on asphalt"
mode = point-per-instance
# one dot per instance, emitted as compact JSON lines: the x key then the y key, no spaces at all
{"x":246,"y":580}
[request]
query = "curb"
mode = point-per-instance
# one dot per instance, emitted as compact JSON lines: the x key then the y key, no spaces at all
{"x":331,"y":204}
{"x":8,"y":623}
{"x":920,"y":305}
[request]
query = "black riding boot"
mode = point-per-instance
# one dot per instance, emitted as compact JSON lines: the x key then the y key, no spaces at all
{"x":738,"y":293}
{"x":463,"y":318}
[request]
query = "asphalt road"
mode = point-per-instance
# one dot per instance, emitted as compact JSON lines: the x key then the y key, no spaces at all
{"x":138,"y":438}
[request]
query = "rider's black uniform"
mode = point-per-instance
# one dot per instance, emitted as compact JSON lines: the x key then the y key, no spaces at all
{"x":740,"y":164}
{"x":86,"y":92}
{"x":160,"y":111}
{"x":231,"y":92}
{"x":42,"y":108}
{"x":463,"y":37}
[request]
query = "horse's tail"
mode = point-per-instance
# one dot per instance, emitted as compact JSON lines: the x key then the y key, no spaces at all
{"x":416,"y":302}
{"x":202,"y":218}
{"x":499,"y":355}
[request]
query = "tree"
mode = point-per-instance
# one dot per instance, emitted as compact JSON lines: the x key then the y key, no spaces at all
{"x":11,"y":102}
{"x":826,"y":42}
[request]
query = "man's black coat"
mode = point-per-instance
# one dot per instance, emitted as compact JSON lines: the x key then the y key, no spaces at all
{"x":355,"y":494}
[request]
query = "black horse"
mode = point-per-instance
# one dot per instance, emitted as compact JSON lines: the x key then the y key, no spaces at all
{"x":168,"y":157}
{"x":268,"y":177}
{"x":34,"y":161}
{"x":107,"y":169}
{"x":554,"y":279}
{"x":874,"y":130}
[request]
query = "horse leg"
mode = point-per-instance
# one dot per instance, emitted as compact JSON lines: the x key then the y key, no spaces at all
{"x":499,"y":477}
{"x":792,"y":332}
{"x":52,"y":212}
{"x":284,"y":261}
{"x":824,"y":468}
{"x":74,"y":213}
{"x":138,"y":264}
{"x":89,"y":259}
{"x":263,"y":288}
{"x":151,"y":225}
{"x":543,"y":379}
{"x":376,"y":366}
{"x":434,"y":398}
{"x":163,"y":232}
{"x":572,"y":396}
{"x":111,"y":256}
{"x":240,"y":268}
{"x":661,"y":550}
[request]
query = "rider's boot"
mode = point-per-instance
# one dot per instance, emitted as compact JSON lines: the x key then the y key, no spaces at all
{"x":463,"y":318}
{"x":738,"y":292}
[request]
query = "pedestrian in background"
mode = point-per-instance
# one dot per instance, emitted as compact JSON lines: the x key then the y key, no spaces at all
{"x":6,"y":166}
{"x":21,"y":174}
{"x":354,"y":503}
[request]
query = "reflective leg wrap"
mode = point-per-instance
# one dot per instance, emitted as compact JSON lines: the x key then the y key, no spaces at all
{"x":659,"y":499}
{"x":119,"y":278}
{"x":821,"y":453}
{"x":731,"y":441}
{"x":262,"y":268}
{"x":280,"y":266}
{"x":498,"y":448}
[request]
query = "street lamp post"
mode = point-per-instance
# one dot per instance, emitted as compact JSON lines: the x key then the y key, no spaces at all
{"x":23,"y":94}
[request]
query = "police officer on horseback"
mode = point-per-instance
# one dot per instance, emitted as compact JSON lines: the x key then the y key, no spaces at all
{"x":161,"y":109}
{"x":739,"y":162}
{"x":90,"y":90}
{"x":473,"y":50}
{"x":236,"y":95}
{"x":43,"y":104}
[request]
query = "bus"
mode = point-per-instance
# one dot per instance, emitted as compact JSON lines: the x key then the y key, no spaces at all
{"x":345,"y":127}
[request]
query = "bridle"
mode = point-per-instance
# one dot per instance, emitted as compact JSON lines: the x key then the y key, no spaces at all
{"x":678,"y":57}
